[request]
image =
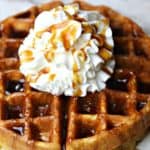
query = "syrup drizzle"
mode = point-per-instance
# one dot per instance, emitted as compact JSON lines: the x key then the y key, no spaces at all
{"x":85,"y":131}
{"x":118,"y":84}
{"x":140,"y":105}
{"x":65,"y":101}
{"x":42,"y":110}
{"x":86,"y":105}
{"x":14,"y":112}
{"x":14,"y":86}
{"x":114,"y":108}
{"x":143,"y":87}
{"x":18,"y":129}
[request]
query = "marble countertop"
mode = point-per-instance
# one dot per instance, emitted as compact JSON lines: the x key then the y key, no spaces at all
{"x":138,"y":10}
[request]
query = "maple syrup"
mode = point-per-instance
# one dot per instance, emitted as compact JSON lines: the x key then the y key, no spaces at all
{"x":64,"y":121}
{"x":84,"y":131}
{"x":17,"y":34}
{"x":110,"y":126}
{"x":35,"y":132}
{"x":87,"y":105}
{"x":14,"y":112}
{"x":143,"y":87}
{"x":14,"y":86}
{"x":41,"y":110}
{"x":24,"y":15}
{"x":117,"y":84}
{"x":140,"y":105}
{"x":18,"y":129}
{"x":114,"y":108}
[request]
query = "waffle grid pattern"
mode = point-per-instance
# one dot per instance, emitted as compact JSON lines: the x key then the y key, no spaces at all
{"x":115,"y":118}
{"x":29,"y":114}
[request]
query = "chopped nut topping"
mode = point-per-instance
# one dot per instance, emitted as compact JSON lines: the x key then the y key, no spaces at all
{"x":105,"y":54}
{"x":52,"y":77}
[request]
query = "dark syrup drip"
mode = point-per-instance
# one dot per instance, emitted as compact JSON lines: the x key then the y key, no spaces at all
{"x":140,"y":105}
{"x":87,"y":105}
{"x":14,"y":86}
{"x":14,"y":112}
{"x":36,"y":134}
{"x":12,"y":53}
{"x":17,"y":34}
{"x":114,"y":108}
{"x":0,"y":33}
{"x":64,"y":120}
{"x":117,"y":32}
{"x":24,"y":15}
{"x":110,"y":126}
{"x":41,"y":110}
{"x":18,"y":129}
{"x":84,"y":131}
{"x":143,"y":87}
{"x":117,"y":84}
{"x":119,"y":50}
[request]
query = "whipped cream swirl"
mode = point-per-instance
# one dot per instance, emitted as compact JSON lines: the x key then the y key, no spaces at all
{"x":69,"y":51}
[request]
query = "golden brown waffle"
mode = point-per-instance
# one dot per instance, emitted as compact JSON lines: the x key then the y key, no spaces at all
{"x":114,"y":119}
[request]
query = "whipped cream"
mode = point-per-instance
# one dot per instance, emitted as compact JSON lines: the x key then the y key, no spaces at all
{"x":68,"y":52}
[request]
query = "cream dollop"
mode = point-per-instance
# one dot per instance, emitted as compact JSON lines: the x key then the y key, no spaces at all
{"x":68,"y":52}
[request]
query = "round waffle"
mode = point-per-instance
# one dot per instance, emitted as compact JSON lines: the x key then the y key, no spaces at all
{"x":113,"y":119}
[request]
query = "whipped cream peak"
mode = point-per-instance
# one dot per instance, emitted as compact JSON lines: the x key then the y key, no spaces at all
{"x":69,"y":51}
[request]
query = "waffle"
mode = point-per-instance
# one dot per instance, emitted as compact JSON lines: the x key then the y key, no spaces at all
{"x":113,"y":119}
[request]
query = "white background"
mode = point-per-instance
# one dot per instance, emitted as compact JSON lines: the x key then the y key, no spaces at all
{"x":138,"y":10}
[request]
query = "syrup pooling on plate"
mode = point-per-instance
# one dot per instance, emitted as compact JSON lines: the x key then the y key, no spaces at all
{"x":68,"y":52}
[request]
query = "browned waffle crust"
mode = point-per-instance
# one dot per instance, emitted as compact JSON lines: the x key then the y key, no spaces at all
{"x":114,"y":119}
